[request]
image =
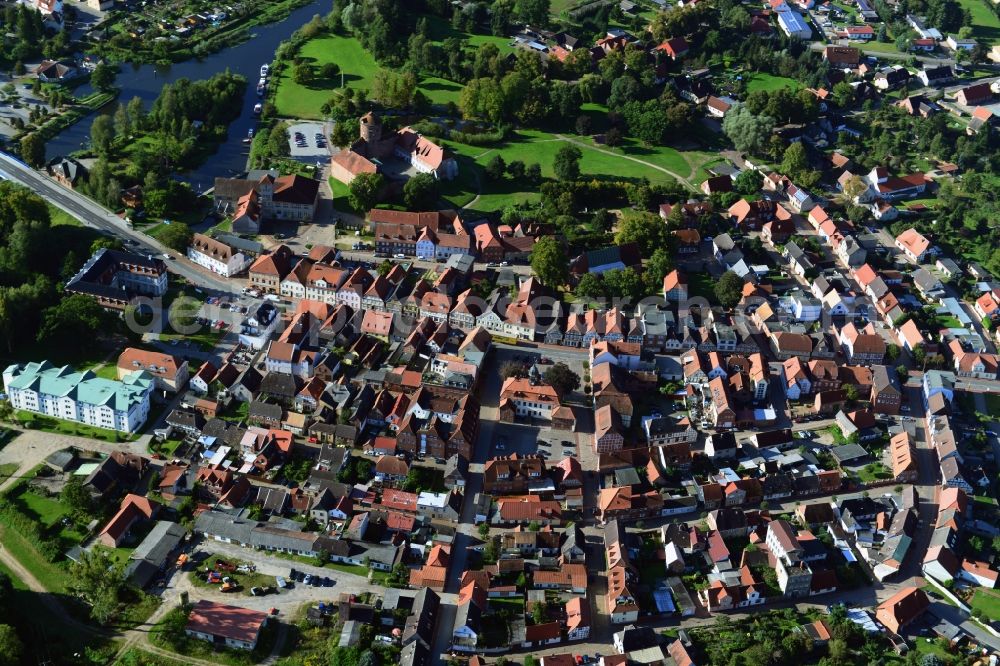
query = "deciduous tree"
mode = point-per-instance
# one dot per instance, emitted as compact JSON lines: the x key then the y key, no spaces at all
{"x":421,"y":192}
{"x":364,"y":190}
{"x":567,"y":163}
{"x":548,"y":262}
{"x":748,"y":132}
{"x":729,"y":289}
{"x":562,"y":379}
{"x":33,"y":150}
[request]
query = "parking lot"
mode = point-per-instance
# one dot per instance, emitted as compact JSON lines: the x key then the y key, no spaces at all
{"x":525,"y":439}
{"x":309,"y":142}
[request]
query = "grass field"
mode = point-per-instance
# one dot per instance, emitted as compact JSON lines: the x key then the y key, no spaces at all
{"x":50,"y":424}
{"x":763,"y":81}
{"x":985,"y":24}
{"x":106,"y":371}
{"x":52,"y":576}
{"x":881,"y":47}
{"x":558,"y":6}
{"x":441,"y":91}
{"x":442,"y":30}
{"x":295,"y":100}
{"x":61,"y":218}
{"x":988,"y":601}
{"x":357,"y":65}
{"x":531,"y":146}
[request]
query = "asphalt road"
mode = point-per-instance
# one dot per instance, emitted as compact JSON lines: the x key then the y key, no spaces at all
{"x":97,"y":217}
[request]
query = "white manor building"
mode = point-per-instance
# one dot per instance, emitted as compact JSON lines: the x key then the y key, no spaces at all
{"x":84,"y":397}
{"x":217,"y":257}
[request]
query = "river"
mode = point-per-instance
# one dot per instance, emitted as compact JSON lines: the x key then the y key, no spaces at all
{"x":146,"y":81}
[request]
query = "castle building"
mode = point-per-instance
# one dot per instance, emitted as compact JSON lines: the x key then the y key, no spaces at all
{"x":374,"y":146}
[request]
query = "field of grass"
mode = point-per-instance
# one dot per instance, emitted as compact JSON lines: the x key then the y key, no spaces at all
{"x":441,"y":91}
{"x":61,"y":218}
{"x":531,"y":146}
{"x":348,"y":568}
{"x":558,"y":6}
{"x":50,"y":424}
{"x":881,"y":47}
{"x":295,"y":100}
{"x":985,"y":24}
{"x":874,"y":472}
{"x":53,"y":577}
{"x":769,"y":82}
{"x":988,"y":601}
{"x":6,"y":470}
{"x":701,"y":284}
{"x":442,"y":30}
{"x":207,"y":338}
{"x":106,"y":371}
{"x":357,"y":65}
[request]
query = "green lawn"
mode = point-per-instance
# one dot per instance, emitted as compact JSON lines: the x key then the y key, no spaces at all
{"x":206,"y":338}
{"x":558,"y":6}
{"x":295,"y":100}
{"x":50,"y":424}
{"x":442,"y":30}
{"x":985,"y":24}
{"x":53,"y":577}
{"x":988,"y":601}
{"x":514,"y":606}
{"x":348,"y":568}
{"x":47,"y":512}
{"x":167,"y":448}
{"x":878,"y":472}
{"x":441,"y":91}
{"x":531,"y":146}
{"x":948,"y":321}
{"x":61,"y":218}
{"x":357,"y":65}
{"x":236,"y":412}
{"x":881,"y":47}
{"x":769,"y":82}
{"x":106,"y":371}
{"x":701,"y":284}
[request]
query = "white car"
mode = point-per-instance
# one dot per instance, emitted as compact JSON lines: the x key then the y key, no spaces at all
{"x":399,"y":256}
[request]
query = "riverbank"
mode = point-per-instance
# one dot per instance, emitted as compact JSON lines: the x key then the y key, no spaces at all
{"x":147,"y":81}
{"x":80,"y":109}
{"x":120,"y":41}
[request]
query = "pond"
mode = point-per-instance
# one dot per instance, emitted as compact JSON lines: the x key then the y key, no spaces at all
{"x":146,"y":81}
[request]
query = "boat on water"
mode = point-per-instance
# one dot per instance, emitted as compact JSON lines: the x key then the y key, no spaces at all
{"x":264,"y":69}
{"x":249,"y":137}
{"x":257,"y":108}
{"x":260,"y":88}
